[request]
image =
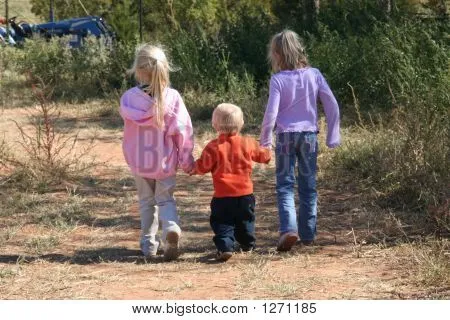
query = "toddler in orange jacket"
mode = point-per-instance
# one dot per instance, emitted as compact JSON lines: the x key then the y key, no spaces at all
{"x":229,"y":159}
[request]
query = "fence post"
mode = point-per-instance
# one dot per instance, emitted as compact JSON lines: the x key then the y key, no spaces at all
{"x":51,"y":11}
{"x":7,"y":22}
{"x":140,"y":20}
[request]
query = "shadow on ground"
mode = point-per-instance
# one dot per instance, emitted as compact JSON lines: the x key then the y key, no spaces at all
{"x":336,"y":220}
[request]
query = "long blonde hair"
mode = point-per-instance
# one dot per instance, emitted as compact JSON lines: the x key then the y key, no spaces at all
{"x":152,"y":68}
{"x":286,"y":52}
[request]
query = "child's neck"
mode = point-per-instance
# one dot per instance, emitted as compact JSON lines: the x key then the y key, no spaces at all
{"x":220,"y":133}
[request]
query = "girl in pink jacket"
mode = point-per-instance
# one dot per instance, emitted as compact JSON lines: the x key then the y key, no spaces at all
{"x":158,"y":138}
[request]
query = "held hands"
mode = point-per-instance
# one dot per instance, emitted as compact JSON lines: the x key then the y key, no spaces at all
{"x":190,"y":170}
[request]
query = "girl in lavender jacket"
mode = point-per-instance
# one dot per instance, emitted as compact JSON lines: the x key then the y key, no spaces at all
{"x":158,"y":138}
{"x":295,"y":88}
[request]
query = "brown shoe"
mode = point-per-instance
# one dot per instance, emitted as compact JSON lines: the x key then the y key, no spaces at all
{"x":171,"y":247}
{"x":308,"y":242}
{"x":287,"y":240}
{"x":224,"y":256}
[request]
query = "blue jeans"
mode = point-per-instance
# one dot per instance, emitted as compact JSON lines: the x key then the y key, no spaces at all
{"x":233,"y":219}
{"x":297,"y":148}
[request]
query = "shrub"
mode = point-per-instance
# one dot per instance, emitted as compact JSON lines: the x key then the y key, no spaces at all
{"x":76,"y":74}
{"x":201,"y":62}
{"x":390,"y":61}
{"x":12,"y":89}
{"x":248,"y":54}
{"x":205,"y":75}
{"x":47,"y":157}
{"x":406,"y":157}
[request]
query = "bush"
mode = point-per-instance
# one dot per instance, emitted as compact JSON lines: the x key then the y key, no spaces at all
{"x":248,"y":54}
{"x":205,"y":75}
{"x":47,"y":157}
{"x":92,"y":71}
{"x":12,"y":88}
{"x":390,"y":61}
{"x":405,"y":158}
{"x":242,"y":92}
{"x":200,"y":63}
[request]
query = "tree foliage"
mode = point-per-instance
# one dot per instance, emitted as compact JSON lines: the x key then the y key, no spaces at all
{"x":71,"y":8}
{"x":351,"y":40}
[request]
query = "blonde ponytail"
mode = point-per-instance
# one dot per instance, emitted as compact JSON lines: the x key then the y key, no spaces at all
{"x":152,"y":68}
{"x":158,"y":84}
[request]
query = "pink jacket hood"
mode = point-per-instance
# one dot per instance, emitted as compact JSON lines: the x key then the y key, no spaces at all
{"x":137,"y":106}
{"x":150,"y":151}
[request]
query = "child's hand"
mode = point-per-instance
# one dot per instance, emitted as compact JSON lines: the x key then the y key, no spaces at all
{"x":190,"y":170}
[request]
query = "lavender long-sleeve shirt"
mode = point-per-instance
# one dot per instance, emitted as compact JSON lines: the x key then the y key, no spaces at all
{"x":292,"y":105}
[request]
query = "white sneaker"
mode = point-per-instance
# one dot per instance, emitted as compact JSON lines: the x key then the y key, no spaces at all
{"x":171,"y":251}
{"x":146,"y":249}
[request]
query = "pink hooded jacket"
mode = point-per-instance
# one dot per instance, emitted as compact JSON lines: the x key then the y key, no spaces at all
{"x":153,"y":152}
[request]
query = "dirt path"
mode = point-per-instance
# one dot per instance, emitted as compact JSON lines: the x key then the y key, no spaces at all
{"x":95,"y":255}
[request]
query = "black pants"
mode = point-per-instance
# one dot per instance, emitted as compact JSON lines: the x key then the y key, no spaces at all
{"x":233,"y":219}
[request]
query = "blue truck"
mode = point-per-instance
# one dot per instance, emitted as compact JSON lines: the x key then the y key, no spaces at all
{"x":77,"y":29}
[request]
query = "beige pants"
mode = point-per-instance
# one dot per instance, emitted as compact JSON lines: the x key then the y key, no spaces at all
{"x":156,"y":199}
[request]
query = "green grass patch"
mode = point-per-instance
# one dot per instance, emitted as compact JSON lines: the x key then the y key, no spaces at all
{"x":40,"y":245}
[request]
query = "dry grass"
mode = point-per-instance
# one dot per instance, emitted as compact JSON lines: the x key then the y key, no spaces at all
{"x":41,"y":245}
{"x":81,"y":242}
{"x":428,"y":262}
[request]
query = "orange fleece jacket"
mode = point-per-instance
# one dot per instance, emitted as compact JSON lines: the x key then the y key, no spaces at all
{"x":229,"y":159}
